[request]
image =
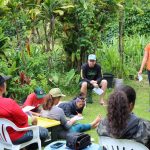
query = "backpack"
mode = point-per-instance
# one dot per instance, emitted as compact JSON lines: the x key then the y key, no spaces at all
{"x":78,"y":141}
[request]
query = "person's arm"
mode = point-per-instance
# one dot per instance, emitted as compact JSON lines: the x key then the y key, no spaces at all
{"x":66,"y":107}
{"x":35,"y":113}
{"x":71,"y":121}
{"x":83,"y":74}
{"x":18,"y":115}
{"x":32,"y":120}
{"x":29,"y":102}
{"x":145,"y":57}
{"x":66,"y":124}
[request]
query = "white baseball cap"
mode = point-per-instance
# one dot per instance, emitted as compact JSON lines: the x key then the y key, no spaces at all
{"x":92,"y":57}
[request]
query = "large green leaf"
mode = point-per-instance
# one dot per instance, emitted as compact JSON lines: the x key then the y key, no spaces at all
{"x":67,"y":6}
{"x":60,"y":12}
{"x":69,"y":77}
{"x":4,"y":2}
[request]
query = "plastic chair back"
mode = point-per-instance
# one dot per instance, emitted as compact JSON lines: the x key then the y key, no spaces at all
{"x":120,"y":144}
{"x":5,"y":141}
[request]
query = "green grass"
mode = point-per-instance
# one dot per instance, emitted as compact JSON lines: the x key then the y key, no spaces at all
{"x":141,"y":106}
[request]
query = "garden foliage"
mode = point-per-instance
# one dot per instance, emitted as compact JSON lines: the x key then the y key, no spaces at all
{"x":44,"y":43}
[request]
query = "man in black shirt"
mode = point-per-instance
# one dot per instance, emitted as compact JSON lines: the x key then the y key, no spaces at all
{"x":92,"y":77}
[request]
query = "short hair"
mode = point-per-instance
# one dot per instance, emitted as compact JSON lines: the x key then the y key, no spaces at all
{"x":130,"y":92}
{"x":3,"y":79}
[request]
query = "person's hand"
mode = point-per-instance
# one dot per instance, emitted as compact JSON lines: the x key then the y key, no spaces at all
{"x":93,"y":82}
{"x":95,"y":85}
{"x":140,"y":72}
{"x":80,"y":115}
{"x":34,"y":120}
{"x":36,"y":114}
{"x":71,"y":121}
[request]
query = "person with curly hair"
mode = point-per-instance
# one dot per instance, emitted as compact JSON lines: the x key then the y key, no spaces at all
{"x":121,"y":122}
{"x":117,"y":116}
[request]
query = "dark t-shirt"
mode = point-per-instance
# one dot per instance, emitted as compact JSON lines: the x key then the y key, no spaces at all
{"x":91,"y":73}
{"x":70,"y":108}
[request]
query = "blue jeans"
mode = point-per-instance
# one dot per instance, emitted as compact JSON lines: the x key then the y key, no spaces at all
{"x":80,"y":127}
{"x":29,"y":135}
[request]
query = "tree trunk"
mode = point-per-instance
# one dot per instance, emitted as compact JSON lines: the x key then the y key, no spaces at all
{"x":121,"y":36}
{"x":46,"y":36}
{"x":51,"y":31}
{"x":38,"y":34}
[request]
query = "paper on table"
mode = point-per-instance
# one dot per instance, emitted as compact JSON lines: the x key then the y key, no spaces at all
{"x":78,"y":117}
{"x":28,"y":108}
{"x":98,"y":91}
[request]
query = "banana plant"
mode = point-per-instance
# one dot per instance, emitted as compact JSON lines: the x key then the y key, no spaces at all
{"x":58,"y":80}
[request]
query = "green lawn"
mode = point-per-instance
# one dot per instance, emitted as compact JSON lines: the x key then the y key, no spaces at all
{"x":141,"y":106}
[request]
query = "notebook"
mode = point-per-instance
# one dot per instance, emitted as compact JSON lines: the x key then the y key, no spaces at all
{"x":28,"y":108}
{"x":98,"y":91}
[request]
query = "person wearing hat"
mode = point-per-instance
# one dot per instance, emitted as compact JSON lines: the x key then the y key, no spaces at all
{"x":92,"y":77}
{"x":10,"y":110}
{"x":74,"y":107}
{"x":35,"y":99}
{"x":56,"y":92}
{"x":52,"y":111}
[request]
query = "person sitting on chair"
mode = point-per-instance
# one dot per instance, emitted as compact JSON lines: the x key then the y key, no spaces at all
{"x":74,"y":107}
{"x":10,"y":110}
{"x":121,"y":122}
{"x":92,"y":77}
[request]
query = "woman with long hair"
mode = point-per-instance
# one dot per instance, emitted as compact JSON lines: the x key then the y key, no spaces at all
{"x":50,"y":110}
{"x":118,"y":113}
{"x":121,"y":122}
{"x":117,"y":116}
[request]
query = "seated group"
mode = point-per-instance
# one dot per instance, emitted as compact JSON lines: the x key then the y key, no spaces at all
{"x":120,"y":121}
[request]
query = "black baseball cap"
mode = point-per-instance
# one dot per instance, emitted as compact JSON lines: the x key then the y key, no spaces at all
{"x":3,"y":79}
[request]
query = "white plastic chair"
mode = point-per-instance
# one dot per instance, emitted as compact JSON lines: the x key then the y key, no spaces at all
{"x":5,"y":141}
{"x":120,"y":144}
